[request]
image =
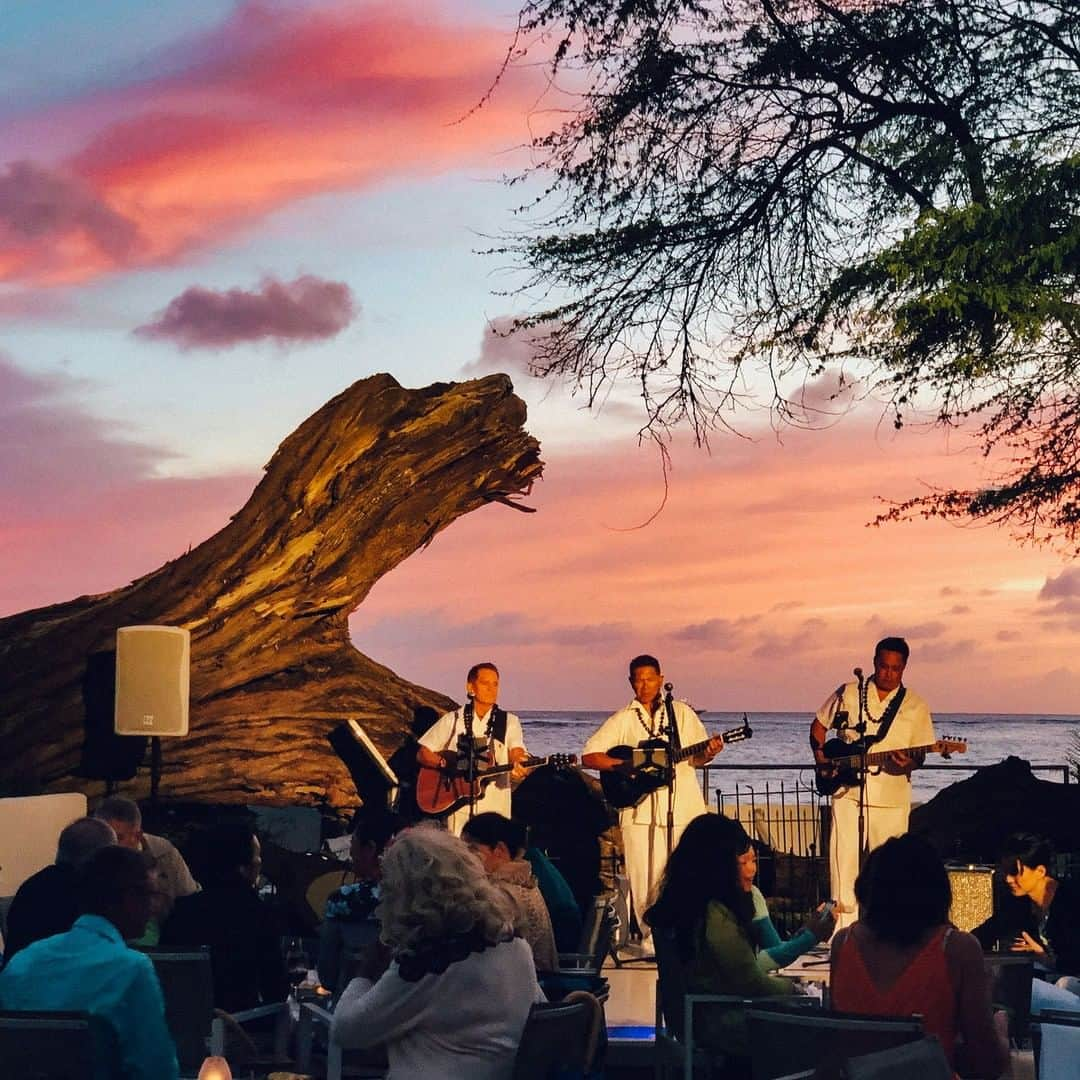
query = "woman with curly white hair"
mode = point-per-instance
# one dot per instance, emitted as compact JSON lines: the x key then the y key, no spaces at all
{"x":456,"y":996}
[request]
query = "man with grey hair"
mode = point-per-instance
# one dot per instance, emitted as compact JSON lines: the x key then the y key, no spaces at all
{"x":46,"y":903}
{"x":173,"y":876}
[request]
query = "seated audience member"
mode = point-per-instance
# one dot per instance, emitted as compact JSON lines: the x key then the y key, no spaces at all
{"x":171,"y":872}
{"x":566,"y":922}
{"x":46,"y":903}
{"x":772,"y":951}
{"x":500,"y":845}
{"x":1045,"y":924}
{"x":227,"y":915}
{"x":454,"y":1001}
{"x":903,"y":957}
{"x":349,"y":923}
{"x":90,"y":969}
{"x":704,"y":902}
{"x":168,"y":871}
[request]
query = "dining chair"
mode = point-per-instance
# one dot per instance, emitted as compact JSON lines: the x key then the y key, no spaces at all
{"x":562,"y":1036}
{"x":785,"y":1041}
{"x":50,"y":1045}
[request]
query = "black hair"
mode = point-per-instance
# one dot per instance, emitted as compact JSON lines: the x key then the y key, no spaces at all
{"x":893,"y":644}
{"x":228,"y":848}
{"x":644,"y":660}
{"x":703,"y":867}
{"x":1028,"y":849}
{"x":477,"y":668}
{"x":490,"y":828}
{"x":103,"y":878}
{"x":903,"y":890}
{"x":376,"y":826}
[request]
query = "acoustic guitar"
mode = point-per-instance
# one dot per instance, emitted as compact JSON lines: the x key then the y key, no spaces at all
{"x":839,"y":770}
{"x":627,"y":786}
{"x":442,"y":791}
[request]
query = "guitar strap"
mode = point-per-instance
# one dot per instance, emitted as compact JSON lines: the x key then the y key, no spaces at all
{"x":888,"y":716}
{"x":673,"y":726}
{"x":496,"y":728}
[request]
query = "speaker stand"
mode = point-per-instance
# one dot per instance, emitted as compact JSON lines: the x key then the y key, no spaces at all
{"x":155,"y":766}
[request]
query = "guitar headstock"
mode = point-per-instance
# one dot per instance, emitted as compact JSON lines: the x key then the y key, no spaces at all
{"x":739,"y":733}
{"x":948,"y":746}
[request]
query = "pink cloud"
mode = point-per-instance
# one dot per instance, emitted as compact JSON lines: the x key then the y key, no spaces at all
{"x":83,"y":511}
{"x":747,"y":606}
{"x":502,"y":348}
{"x":307,"y":309}
{"x":273,"y":105}
{"x":55,"y":452}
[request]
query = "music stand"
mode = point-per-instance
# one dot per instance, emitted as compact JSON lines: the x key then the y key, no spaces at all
{"x":376,"y":783}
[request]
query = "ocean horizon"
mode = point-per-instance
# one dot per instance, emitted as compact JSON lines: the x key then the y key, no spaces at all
{"x":779,"y":753}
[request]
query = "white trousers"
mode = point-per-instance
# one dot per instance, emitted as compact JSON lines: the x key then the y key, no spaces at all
{"x":645,"y":848}
{"x":881,"y":823}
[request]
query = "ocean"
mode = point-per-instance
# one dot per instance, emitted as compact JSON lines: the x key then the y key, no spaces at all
{"x":780,"y":739}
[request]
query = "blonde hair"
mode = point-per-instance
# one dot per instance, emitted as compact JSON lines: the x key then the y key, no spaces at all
{"x":433,"y":888}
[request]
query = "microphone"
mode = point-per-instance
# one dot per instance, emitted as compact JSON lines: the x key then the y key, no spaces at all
{"x":858,"y":673}
{"x":668,"y":688}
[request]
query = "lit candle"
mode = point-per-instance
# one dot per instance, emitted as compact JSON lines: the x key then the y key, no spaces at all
{"x":215,"y":1068}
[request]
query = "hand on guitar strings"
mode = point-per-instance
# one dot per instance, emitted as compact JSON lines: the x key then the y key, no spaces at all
{"x":714,"y":746}
{"x":517,"y":755}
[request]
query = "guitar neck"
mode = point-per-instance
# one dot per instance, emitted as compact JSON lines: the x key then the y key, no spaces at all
{"x":879,"y":757}
{"x":689,"y":751}
{"x":734,"y":735}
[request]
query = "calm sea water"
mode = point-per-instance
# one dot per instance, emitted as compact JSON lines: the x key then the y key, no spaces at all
{"x":781,"y":739}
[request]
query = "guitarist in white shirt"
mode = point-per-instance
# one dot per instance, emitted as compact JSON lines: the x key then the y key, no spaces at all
{"x":888,"y":785}
{"x":482,"y":684}
{"x":644,"y":826}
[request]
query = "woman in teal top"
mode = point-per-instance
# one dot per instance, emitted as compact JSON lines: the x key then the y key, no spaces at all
{"x":705,"y":904}
{"x":772,"y":951}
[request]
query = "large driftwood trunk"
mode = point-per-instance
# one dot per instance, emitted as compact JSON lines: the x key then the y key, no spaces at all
{"x":363,"y":483}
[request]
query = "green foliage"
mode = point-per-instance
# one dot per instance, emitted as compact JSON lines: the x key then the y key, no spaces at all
{"x":786,"y":186}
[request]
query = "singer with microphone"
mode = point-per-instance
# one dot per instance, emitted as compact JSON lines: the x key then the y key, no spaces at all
{"x":882,"y":716}
{"x":652,"y":826}
{"x":475,"y":737}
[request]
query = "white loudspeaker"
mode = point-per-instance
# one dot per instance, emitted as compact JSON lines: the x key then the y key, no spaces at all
{"x":152,"y":680}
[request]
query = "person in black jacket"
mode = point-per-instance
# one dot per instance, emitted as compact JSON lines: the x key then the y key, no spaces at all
{"x":1046,"y":922}
{"x":227,"y":915}
{"x":47,"y":902}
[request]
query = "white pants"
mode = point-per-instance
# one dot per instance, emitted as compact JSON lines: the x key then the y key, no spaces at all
{"x":881,"y":822}
{"x":645,"y":848}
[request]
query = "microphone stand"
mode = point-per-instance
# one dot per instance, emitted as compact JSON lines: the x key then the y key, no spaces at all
{"x":864,"y":766}
{"x":470,"y":754}
{"x":672,"y":730}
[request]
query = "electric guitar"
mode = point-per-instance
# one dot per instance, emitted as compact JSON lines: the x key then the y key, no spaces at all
{"x":628,"y":786}
{"x":442,"y":791}
{"x":839,"y":770}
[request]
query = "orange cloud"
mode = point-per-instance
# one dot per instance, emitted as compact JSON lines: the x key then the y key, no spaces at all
{"x":752,"y":602}
{"x":272,"y":106}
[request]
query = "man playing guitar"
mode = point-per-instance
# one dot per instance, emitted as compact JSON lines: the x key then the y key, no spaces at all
{"x":499,"y":731}
{"x":902,"y":721}
{"x":644,"y":826}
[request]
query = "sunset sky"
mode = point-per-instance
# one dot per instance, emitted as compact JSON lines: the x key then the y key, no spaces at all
{"x":214,"y":216}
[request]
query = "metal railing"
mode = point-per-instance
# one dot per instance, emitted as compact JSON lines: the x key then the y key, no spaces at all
{"x":789,"y":824}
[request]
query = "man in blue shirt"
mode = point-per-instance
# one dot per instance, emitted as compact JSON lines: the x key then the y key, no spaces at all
{"x":91,"y":969}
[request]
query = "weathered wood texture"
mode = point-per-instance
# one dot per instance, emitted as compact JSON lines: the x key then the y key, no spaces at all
{"x":363,"y":483}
